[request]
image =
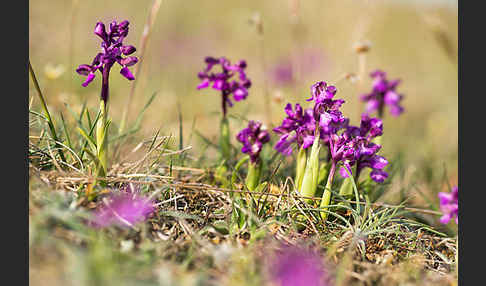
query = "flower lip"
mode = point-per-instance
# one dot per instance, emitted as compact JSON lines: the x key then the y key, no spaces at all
{"x":127,"y":73}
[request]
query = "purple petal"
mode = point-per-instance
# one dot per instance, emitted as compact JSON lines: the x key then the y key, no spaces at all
{"x":308,"y":141}
{"x":100,"y":31}
{"x":396,"y":110}
{"x":378,"y":176}
{"x":84,"y":69}
{"x":391,"y":97}
{"x":446,"y":218}
{"x":88,"y":80}
{"x":380,"y":85}
{"x":444,"y":198}
{"x":240,"y":94}
{"x":218,"y":84}
{"x":372,"y":105}
{"x":127,"y":73}
{"x":378,"y":162}
{"x":128,"y":50}
{"x":203,"y":84}
{"x":128,"y":61}
{"x":288,"y":110}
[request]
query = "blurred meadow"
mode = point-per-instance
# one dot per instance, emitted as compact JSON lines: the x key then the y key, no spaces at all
{"x":299,"y":43}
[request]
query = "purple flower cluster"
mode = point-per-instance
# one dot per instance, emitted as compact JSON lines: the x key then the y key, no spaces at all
{"x":352,"y":146}
{"x":222,"y":80}
{"x":253,"y":137}
{"x":113,"y":51}
{"x":449,"y":205}
{"x":123,"y":209}
{"x":383,"y":93}
{"x":295,"y":266}
{"x":299,"y":126}
{"x":326,"y":110}
{"x":365,"y":151}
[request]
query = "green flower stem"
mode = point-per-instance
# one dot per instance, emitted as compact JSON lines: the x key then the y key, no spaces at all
{"x":311,"y":175}
{"x":46,"y":112}
{"x":326,"y":196}
{"x":224,"y":139}
{"x":253,"y":176}
{"x":300,"y":167}
{"x":323,"y":172}
{"x":346,"y":189}
{"x":101,"y":131}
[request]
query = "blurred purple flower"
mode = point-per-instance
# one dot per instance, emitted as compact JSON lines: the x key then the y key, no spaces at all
{"x":124,"y":209}
{"x":307,"y":61}
{"x":449,"y":205}
{"x":112,"y":50}
{"x":253,"y":137}
{"x":282,"y":73}
{"x":221,"y":81}
{"x":383,"y":93}
{"x":294,"y":266}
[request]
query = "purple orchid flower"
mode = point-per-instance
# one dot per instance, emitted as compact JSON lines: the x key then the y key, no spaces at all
{"x":383,"y":93}
{"x":365,"y":150}
{"x":294,"y":266}
{"x":112,"y":50}
{"x":298,"y":127}
{"x":253,"y":137}
{"x":326,"y":110}
{"x":223,"y":81}
{"x":123,"y":209}
{"x":449,"y":205}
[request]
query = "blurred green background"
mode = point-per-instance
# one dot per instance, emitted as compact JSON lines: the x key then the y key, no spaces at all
{"x":412,"y":40}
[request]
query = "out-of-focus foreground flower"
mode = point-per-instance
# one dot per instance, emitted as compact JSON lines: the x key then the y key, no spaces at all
{"x":383,"y":93}
{"x":124,"y":209}
{"x":294,"y":266}
{"x":449,"y":205}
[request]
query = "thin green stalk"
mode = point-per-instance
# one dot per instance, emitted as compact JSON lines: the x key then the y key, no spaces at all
{"x":300,"y":167}
{"x":224,"y":139}
{"x":101,"y":146}
{"x":326,"y":196}
{"x":46,"y":113}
